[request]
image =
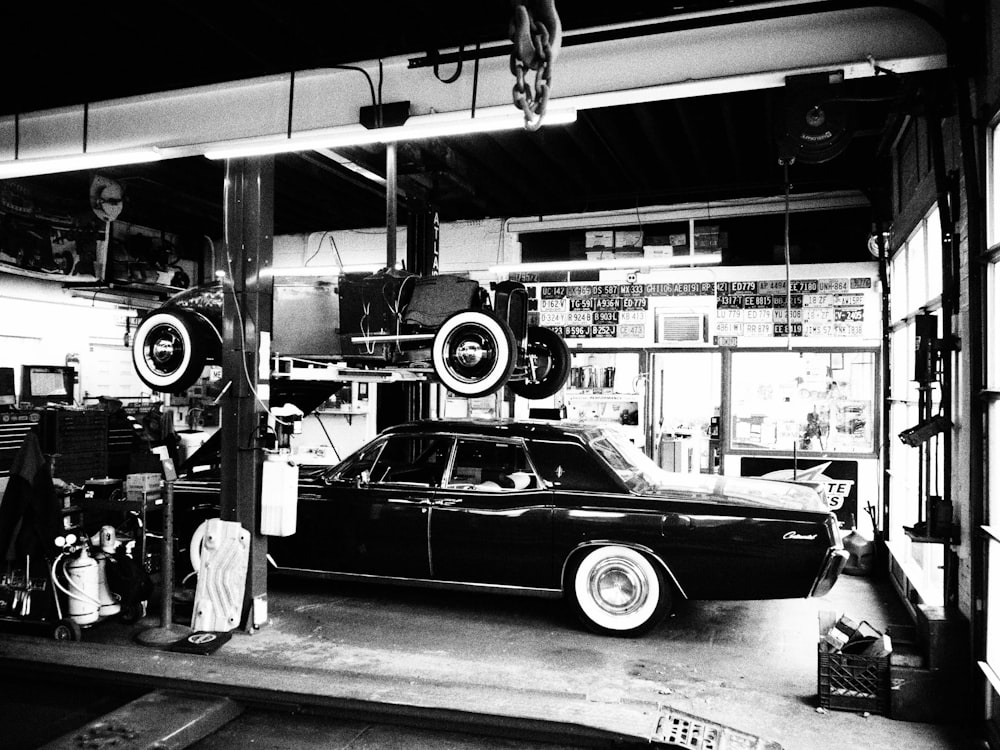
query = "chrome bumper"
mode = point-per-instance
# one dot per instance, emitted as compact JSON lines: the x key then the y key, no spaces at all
{"x":834,"y":562}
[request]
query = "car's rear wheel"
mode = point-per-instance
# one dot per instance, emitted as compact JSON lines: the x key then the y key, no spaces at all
{"x":473,"y":353}
{"x":547,"y":366}
{"x":619,"y":591}
{"x":169,"y":350}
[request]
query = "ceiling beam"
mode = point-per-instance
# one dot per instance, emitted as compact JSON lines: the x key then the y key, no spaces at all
{"x":676,"y":63}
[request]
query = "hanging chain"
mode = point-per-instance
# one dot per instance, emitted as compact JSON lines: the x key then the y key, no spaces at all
{"x":536,"y":43}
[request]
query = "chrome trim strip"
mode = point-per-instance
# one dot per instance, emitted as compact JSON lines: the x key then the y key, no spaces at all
{"x":496,"y":588}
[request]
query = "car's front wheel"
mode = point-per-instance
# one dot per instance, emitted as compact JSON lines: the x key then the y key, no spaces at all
{"x":619,"y":591}
{"x":169,"y":350}
{"x":473,"y":353}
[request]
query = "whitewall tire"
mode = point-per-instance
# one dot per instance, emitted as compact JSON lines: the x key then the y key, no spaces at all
{"x":547,"y":365}
{"x":473,"y":353}
{"x":169,"y":351}
{"x":619,"y":591}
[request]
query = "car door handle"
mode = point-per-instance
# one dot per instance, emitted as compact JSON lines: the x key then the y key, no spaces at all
{"x":447,"y":501}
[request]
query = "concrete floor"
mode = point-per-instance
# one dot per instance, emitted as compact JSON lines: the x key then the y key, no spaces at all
{"x":521,"y":667}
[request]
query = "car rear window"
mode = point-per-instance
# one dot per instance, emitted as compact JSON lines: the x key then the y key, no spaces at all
{"x":570,"y":466}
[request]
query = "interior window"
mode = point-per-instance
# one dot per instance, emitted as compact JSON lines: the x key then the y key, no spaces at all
{"x":491,"y":467}
{"x":413,"y":459}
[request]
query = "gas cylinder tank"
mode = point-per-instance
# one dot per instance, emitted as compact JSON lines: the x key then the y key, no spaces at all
{"x":83,"y":606}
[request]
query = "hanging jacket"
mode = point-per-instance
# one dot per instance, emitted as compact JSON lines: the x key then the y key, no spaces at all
{"x":30,"y":517}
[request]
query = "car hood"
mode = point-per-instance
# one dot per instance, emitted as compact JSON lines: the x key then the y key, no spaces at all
{"x":747,"y":491}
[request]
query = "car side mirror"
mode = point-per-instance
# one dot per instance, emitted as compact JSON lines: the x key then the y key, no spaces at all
{"x":363,"y":478}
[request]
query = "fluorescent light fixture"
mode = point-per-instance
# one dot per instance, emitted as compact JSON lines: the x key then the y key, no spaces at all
{"x":73,"y":162}
{"x":421,"y":126}
{"x":609,"y":264}
{"x":321,"y":270}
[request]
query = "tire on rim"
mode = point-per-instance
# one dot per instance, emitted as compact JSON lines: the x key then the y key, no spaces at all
{"x":548,"y":364}
{"x":619,"y":591}
{"x":170,"y":350}
{"x":473,"y":353}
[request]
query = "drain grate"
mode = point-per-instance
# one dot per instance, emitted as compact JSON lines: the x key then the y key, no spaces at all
{"x":680,"y":731}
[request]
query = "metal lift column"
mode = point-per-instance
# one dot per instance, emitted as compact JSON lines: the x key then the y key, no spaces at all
{"x":249,"y":230}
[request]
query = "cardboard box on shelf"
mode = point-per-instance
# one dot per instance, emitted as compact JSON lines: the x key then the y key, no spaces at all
{"x":658,"y":251}
{"x":628,"y":238}
{"x":143,"y":482}
{"x":710,"y":237}
{"x":630,"y":252}
{"x":658,"y":239}
{"x":602,"y":238}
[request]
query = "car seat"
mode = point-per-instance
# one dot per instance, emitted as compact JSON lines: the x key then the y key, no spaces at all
{"x":435,"y":298}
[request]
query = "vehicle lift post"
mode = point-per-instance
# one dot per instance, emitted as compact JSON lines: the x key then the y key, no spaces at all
{"x":168,"y":631}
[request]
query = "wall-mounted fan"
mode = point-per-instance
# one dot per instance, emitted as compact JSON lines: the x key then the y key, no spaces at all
{"x":814,"y":124}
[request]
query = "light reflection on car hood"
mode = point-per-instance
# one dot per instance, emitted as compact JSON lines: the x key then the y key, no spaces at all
{"x":748,"y":491}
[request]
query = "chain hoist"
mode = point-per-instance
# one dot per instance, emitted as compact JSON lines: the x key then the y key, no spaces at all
{"x":536,"y":33}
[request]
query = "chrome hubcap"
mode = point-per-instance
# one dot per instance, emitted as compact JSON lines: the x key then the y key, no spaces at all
{"x":469,"y":353}
{"x":618,"y":586}
{"x":163,"y":350}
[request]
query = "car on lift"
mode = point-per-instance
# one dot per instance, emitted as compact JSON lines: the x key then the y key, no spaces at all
{"x":551,"y":509}
{"x":446,"y":328}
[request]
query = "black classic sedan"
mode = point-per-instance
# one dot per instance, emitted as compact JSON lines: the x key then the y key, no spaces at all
{"x":558,"y":510}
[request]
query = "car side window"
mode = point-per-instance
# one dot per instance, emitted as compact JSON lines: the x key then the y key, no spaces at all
{"x":570,"y":466}
{"x":488,"y":466}
{"x":412,"y":459}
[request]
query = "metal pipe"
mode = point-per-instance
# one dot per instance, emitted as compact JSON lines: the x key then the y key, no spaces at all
{"x":167,"y":558}
{"x":390,"y":204}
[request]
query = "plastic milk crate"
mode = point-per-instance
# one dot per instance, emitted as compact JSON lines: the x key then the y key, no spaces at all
{"x":853,"y":666}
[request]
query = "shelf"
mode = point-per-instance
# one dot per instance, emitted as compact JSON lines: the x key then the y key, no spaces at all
{"x":919,"y":538}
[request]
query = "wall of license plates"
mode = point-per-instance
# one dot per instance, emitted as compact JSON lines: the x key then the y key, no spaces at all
{"x":830,"y":305}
